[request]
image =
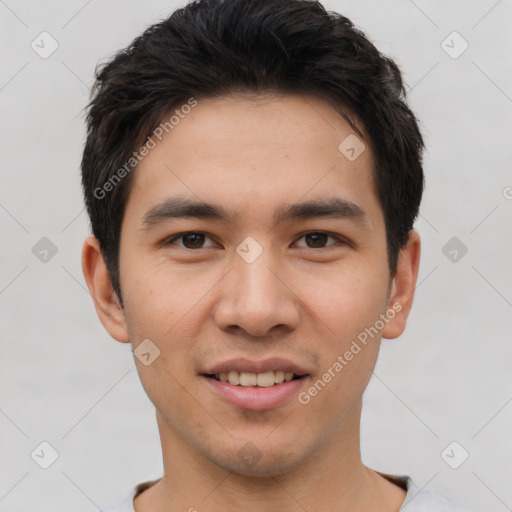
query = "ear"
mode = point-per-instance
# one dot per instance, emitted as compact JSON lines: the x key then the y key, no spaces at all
{"x":106,"y":302}
{"x":403,"y":286}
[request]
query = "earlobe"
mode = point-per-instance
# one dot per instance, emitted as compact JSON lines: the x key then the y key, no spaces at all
{"x":106,"y":302}
{"x":402,"y":289}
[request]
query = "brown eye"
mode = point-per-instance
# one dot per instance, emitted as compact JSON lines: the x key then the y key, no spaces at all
{"x":318,"y":239}
{"x":191,"y":240}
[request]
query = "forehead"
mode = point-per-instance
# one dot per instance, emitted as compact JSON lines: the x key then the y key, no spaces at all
{"x":251,"y":152}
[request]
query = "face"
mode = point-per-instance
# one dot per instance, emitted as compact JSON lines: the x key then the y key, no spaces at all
{"x":253,"y":288}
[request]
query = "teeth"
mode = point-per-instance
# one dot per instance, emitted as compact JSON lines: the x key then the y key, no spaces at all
{"x":263,"y":380}
{"x":248,"y":379}
{"x":234,"y":378}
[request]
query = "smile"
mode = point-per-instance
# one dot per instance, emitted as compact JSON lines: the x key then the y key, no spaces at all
{"x":262,"y":380}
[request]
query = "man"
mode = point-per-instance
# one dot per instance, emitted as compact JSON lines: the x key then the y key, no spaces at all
{"x":252,"y":174}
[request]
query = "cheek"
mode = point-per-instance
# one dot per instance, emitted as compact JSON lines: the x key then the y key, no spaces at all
{"x":157,"y":297}
{"x":164,"y":306}
{"x":348,"y":305}
{"x":345,"y":301}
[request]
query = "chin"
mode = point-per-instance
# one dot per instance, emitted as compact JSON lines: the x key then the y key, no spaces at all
{"x":249,"y":461}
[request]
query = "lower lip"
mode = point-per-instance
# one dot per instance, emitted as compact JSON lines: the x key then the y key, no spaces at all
{"x":255,"y":398}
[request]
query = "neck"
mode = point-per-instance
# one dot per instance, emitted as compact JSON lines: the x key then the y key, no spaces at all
{"x":333,"y":479}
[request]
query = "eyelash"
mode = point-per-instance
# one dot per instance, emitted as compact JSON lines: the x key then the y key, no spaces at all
{"x":169,"y":241}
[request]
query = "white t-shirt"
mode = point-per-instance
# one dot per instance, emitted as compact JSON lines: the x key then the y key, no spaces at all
{"x":416,"y":500}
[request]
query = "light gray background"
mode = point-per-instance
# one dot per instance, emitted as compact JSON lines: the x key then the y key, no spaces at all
{"x":65,"y":381}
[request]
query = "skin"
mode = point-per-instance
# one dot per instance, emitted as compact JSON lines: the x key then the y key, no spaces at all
{"x":300,"y":299}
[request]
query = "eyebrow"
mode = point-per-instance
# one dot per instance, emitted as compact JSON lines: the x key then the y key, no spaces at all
{"x":179,"y":208}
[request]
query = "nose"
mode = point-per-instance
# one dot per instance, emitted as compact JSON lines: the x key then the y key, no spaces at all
{"x":257,"y":298}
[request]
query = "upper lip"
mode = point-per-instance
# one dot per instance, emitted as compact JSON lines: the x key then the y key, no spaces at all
{"x":252,"y":366}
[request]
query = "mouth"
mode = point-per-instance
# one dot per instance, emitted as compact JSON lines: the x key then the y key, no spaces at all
{"x":260,"y":380}
{"x":255,"y":386}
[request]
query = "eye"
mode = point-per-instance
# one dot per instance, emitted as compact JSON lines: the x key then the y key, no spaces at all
{"x":318,"y":239}
{"x":191,"y":240}
{"x":195,"y":240}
